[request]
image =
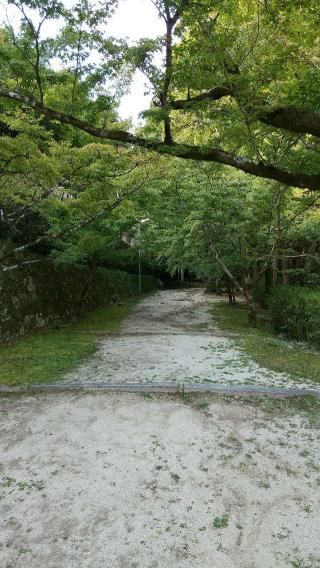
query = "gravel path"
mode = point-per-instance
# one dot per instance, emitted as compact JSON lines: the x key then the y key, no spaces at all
{"x":172,"y":338}
{"x":123,"y":481}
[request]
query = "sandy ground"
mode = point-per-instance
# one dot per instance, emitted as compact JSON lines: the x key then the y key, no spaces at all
{"x":171,"y":337}
{"x":122,"y":481}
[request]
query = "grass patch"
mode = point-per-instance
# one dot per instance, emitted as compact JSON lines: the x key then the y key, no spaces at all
{"x":221,"y":522}
{"x":266,"y":348}
{"x":45,"y":356}
{"x":307,"y":406}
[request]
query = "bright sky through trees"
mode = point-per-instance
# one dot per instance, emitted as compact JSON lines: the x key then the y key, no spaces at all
{"x":133,"y":19}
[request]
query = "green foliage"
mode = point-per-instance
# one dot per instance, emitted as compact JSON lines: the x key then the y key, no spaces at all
{"x":47,"y":356}
{"x":221,"y":522}
{"x":45,"y":294}
{"x":265,"y":347}
{"x":63,"y":194}
{"x":259,"y":293}
{"x":198,"y":211}
{"x":295,"y":311}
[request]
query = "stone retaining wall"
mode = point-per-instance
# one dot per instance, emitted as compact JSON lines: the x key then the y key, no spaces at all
{"x":46,"y":294}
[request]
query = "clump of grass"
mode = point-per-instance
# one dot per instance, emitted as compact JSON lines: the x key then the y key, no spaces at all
{"x":221,"y":522}
{"x":146,"y":395}
{"x":45,"y":356}
{"x":265,"y":348}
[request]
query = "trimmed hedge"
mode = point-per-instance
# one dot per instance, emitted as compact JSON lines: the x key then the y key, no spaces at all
{"x":46,"y":294}
{"x":295,"y":311}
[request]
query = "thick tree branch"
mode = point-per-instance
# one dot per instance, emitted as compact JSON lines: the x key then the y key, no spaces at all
{"x":289,"y":118}
{"x":16,"y":266}
{"x":186,"y":152}
{"x":214,"y":94}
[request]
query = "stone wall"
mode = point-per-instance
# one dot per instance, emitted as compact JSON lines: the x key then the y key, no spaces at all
{"x":46,"y":294}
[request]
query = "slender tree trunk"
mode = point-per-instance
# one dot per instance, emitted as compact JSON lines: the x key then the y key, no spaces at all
{"x":285,"y":267}
{"x":274,"y":270}
{"x":86,"y":288}
{"x":268,"y":279}
{"x":252,"y":314}
{"x":242,"y":288}
{"x":231,"y":295}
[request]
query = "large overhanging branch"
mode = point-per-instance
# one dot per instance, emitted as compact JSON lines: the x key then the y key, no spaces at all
{"x":198,"y":153}
{"x":289,"y":118}
{"x":213,"y":95}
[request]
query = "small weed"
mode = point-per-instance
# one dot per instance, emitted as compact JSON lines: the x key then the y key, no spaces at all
{"x":283,"y":534}
{"x":304,"y":454}
{"x":186,"y":398}
{"x":175,"y":477}
{"x":311,"y":562}
{"x":24,"y":550}
{"x":313,"y":465}
{"x":220,"y":548}
{"x":221,"y":522}
{"x":202,"y":405}
{"x":7,"y":481}
{"x":264,"y":484}
{"x":146,"y":395}
{"x":240,"y":535}
{"x":10,"y":482}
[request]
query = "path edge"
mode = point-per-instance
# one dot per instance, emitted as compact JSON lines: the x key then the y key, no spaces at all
{"x":176,"y":388}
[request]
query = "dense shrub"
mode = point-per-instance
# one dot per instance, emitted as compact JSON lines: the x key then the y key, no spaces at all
{"x":295,"y":311}
{"x":259,"y":293}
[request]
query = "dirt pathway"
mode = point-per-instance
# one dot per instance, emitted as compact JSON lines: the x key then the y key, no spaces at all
{"x":171,"y":337}
{"x":123,"y":481}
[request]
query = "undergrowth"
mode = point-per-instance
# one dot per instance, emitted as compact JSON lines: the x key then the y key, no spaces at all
{"x":46,"y":356}
{"x":265,"y":347}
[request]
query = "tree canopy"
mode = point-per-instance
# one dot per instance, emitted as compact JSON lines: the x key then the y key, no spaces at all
{"x":238,"y":85}
{"x":234,"y":83}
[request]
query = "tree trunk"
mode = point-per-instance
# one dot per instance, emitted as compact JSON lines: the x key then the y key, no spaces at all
{"x":252,"y":314}
{"x":85,"y":289}
{"x":242,"y":288}
{"x":285,"y":267}
{"x":274,"y":270}
{"x":231,"y":295}
{"x":268,"y":280}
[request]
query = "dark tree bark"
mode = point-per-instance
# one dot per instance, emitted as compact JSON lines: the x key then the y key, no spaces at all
{"x":293,"y":119}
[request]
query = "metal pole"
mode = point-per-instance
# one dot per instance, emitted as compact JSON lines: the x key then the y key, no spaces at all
{"x":139,"y":256}
{"x":140,"y":284}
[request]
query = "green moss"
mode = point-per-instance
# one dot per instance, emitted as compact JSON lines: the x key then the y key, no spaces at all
{"x":47,"y":356}
{"x":266,"y":348}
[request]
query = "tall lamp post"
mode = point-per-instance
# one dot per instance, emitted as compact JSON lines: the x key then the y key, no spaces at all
{"x":141,"y":222}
